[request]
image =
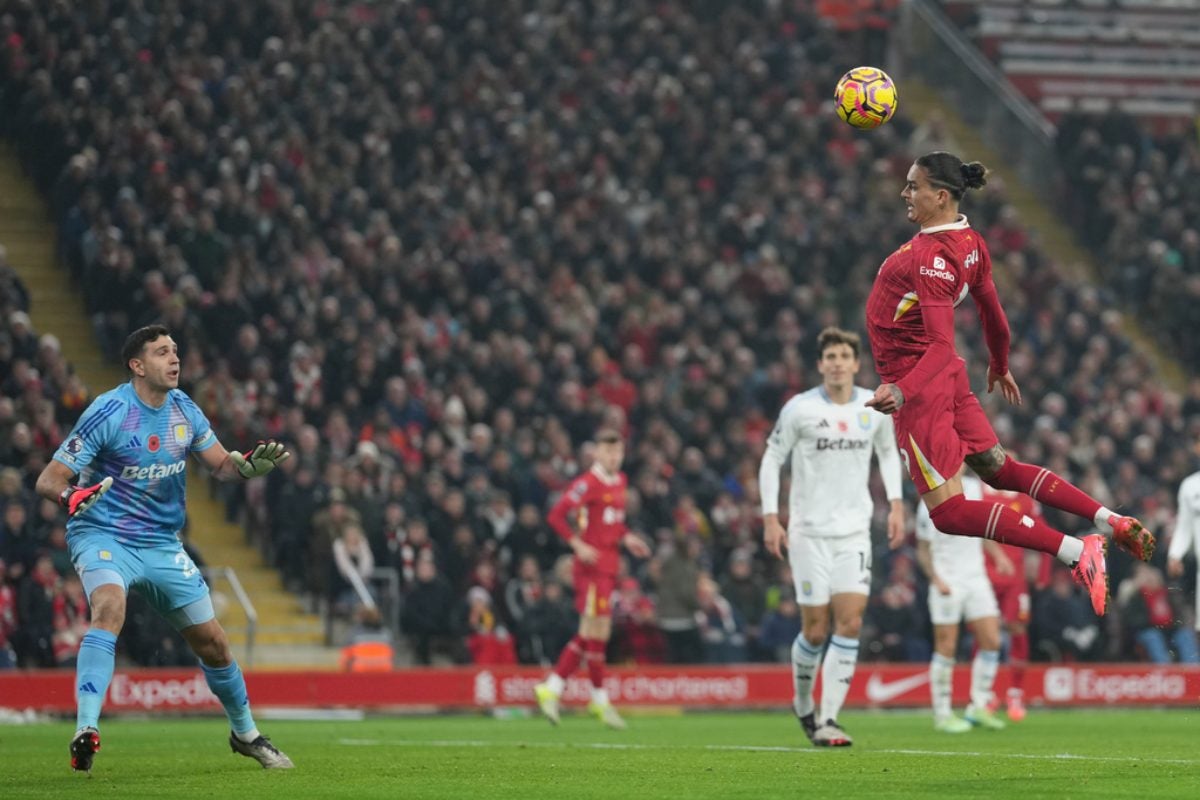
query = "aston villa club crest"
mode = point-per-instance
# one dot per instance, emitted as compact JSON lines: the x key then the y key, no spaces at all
{"x":864,"y":420}
{"x":181,"y":434}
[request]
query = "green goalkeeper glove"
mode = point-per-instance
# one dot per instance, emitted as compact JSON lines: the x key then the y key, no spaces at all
{"x":259,"y":461}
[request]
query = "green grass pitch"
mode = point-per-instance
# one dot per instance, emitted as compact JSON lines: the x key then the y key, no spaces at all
{"x":1145,"y":754}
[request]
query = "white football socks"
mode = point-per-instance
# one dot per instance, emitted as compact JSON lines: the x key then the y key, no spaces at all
{"x":941,"y":682}
{"x":983,"y":677}
{"x":805,"y":658}
{"x":836,"y":673}
{"x":1070,"y":551}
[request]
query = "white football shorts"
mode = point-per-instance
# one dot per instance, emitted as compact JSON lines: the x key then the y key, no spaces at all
{"x":822,"y":568}
{"x":968,"y":601}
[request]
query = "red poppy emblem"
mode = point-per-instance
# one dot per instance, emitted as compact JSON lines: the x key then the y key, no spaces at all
{"x":152,"y":443}
{"x":843,"y":426}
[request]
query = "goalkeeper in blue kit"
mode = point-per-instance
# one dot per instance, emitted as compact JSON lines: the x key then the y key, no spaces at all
{"x":120,"y":476}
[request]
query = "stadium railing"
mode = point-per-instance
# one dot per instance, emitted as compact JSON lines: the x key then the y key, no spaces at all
{"x":388,"y":581}
{"x":937,"y":52}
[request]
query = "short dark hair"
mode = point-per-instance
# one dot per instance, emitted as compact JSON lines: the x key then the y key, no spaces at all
{"x":607,"y":436}
{"x":832,"y":336}
{"x":139,"y":339}
{"x":949,"y":172}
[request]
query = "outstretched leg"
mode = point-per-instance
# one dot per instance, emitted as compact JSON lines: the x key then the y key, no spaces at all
{"x":225,"y":679}
{"x":1002,"y":471}
{"x":959,"y":516}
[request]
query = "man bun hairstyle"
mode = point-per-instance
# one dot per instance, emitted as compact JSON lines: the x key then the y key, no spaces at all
{"x":832,"y":336}
{"x":974,"y":175}
{"x":950,"y":173}
{"x":137,"y":340}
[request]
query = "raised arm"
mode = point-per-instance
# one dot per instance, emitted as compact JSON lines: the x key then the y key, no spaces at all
{"x":226,"y":465}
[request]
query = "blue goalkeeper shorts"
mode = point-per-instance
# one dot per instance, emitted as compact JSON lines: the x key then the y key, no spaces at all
{"x":164,"y":574}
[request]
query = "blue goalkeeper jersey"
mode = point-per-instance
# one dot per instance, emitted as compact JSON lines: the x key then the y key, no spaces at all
{"x":145,"y":451}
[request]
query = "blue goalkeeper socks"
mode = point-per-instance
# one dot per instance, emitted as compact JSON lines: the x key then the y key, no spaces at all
{"x":93,"y":672}
{"x":229,"y":686}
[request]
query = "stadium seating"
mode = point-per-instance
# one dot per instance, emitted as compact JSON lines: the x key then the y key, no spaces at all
{"x":467,"y":237}
{"x":1093,"y":55}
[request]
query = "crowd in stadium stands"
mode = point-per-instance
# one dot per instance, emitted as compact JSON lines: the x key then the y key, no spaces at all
{"x":434,"y":246}
{"x":1134,"y":193}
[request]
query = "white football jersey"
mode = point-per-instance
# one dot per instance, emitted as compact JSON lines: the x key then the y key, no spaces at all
{"x":956,"y":559}
{"x":1185,"y":538}
{"x":831,"y":446}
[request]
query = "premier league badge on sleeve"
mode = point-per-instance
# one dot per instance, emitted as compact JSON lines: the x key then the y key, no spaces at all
{"x":71,"y":448}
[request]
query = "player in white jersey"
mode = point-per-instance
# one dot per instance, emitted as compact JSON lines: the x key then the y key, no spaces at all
{"x":959,"y":591}
{"x":830,"y":435}
{"x":1186,"y":538}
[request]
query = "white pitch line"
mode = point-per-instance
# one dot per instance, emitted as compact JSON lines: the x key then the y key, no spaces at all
{"x":753,"y":748}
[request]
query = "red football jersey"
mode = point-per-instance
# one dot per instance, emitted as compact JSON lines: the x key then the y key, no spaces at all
{"x":601,"y":519}
{"x":937,"y":267}
{"x":1022,"y":504}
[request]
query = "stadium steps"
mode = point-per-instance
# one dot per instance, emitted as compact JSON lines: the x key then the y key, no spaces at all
{"x":1056,"y":236}
{"x":287,"y":636}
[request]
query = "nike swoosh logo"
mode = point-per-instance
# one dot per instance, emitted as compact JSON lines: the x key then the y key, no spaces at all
{"x":880,"y":692}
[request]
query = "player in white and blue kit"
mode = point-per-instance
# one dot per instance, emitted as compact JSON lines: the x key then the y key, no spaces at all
{"x":120,"y":475}
{"x":830,"y":437}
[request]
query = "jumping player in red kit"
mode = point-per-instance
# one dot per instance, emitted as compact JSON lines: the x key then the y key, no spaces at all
{"x":598,"y":497}
{"x":939,"y":422}
{"x":1011,"y":586}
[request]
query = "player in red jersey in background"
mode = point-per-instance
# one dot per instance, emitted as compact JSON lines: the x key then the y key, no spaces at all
{"x":597,"y":497}
{"x":1010,"y":582}
{"x":939,"y":422}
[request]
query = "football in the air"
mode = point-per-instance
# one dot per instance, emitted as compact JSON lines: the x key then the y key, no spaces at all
{"x":866,"y":97}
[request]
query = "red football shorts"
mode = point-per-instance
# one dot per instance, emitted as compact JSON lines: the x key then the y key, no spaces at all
{"x":1013,"y":599}
{"x":593,"y":592}
{"x":940,"y":426}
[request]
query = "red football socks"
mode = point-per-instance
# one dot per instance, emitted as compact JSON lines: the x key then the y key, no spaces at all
{"x":1044,"y":486}
{"x":1018,"y":657}
{"x":964,"y":517}
{"x":569,"y":660}
{"x":594,"y":653}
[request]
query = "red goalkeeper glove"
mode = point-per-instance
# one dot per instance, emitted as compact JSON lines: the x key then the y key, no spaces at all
{"x":77,"y":499}
{"x":259,"y":461}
